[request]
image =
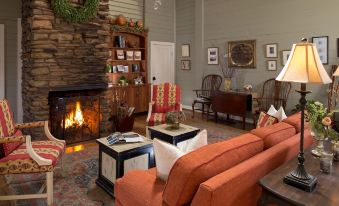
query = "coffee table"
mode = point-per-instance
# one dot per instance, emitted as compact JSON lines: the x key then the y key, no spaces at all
{"x":117,"y":159}
{"x":177,"y":137}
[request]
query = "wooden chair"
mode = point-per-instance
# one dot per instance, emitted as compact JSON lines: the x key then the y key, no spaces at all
{"x":210,"y":83}
{"x":165,"y":98}
{"x":273,"y":93}
{"x":19,"y":155}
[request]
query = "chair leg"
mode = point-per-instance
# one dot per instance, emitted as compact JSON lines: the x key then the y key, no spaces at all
{"x":203,"y":110}
{"x":208,"y":111}
{"x":193,"y":109}
{"x":49,"y":177}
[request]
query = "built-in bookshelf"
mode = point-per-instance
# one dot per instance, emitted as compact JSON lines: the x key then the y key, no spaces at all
{"x":127,"y":67}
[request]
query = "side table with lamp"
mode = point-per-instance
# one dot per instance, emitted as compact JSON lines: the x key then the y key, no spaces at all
{"x":303,"y":66}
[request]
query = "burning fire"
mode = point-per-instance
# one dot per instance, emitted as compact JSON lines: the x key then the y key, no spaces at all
{"x":75,"y":118}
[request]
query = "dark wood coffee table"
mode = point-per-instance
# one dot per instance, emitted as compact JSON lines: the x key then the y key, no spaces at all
{"x":325,"y":193}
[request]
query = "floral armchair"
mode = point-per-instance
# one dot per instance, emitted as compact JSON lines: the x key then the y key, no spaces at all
{"x":165,"y":98}
{"x":19,"y":155}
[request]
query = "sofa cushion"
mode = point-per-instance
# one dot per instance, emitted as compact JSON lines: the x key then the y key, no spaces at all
{"x":19,"y":161}
{"x":275,"y":133}
{"x":192,"y":169}
{"x":295,"y":120}
{"x":139,"y":187}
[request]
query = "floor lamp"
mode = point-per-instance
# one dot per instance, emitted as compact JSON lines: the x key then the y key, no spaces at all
{"x":303,"y":66}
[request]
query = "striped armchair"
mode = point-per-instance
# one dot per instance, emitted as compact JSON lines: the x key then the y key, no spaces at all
{"x":19,"y":155}
{"x":165,"y":98}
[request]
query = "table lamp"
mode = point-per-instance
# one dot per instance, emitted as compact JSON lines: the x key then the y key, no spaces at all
{"x":303,"y":66}
{"x":336,"y":73}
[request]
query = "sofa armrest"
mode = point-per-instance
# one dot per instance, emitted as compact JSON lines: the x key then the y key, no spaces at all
{"x":38,"y":159}
{"x":30,"y":125}
{"x":13,"y":139}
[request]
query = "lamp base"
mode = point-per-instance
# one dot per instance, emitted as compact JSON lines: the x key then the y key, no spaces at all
{"x":307,"y":185}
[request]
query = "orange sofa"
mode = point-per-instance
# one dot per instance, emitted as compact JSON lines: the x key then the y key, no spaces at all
{"x":225,"y":173}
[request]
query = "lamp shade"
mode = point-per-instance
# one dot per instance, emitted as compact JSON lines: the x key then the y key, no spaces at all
{"x":336,"y":73}
{"x":304,"y":66}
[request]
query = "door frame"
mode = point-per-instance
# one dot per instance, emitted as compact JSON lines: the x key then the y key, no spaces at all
{"x":2,"y":61}
{"x":171,"y":44}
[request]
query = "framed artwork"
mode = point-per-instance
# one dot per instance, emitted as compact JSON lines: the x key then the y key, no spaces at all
{"x":321,"y":43}
{"x":285,"y":55}
{"x":338,"y":47}
{"x":272,"y":50}
{"x":120,"y":54}
{"x":213,"y":55}
{"x":185,"y":65}
{"x":137,"y":55}
{"x":129,"y":55}
{"x":272,"y":65}
{"x":185,"y":50}
{"x":242,"y":54}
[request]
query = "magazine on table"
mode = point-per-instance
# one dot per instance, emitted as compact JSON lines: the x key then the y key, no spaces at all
{"x":129,"y":137}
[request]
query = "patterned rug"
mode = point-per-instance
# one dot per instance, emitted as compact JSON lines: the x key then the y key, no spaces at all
{"x":75,"y":186}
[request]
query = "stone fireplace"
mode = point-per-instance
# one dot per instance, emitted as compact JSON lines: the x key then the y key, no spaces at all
{"x":75,"y":112}
{"x":57,"y":54}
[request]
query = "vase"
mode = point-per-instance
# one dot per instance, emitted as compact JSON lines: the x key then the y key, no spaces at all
{"x":227,"y":84}
{"x":326,"y":162}
{"x":335,"y":149}
{"x":319,"y":137}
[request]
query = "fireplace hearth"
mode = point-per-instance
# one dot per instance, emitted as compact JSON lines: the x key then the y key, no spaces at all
{"x":75,"y":113}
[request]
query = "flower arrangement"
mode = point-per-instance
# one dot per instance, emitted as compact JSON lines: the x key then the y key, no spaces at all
{"x":248,"y":87}
{"x":320,"y":120}
{"x":174,"y":118}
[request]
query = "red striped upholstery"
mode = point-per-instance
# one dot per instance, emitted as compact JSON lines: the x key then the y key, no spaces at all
{"x":266,"y":120}
{"x":7,"y":129}
{"x":19,"y":160}
{"x":156,"y":119}
{"x":166,"y":97}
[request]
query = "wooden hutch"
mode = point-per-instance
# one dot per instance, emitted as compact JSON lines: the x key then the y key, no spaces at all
{"x":128,"y":60}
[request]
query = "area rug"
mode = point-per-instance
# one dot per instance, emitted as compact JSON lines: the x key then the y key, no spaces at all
{"x":75,"y":186}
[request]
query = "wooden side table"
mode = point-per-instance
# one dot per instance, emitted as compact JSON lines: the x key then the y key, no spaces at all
{"x":117,"y":159}
{"x":325,"y":193}
{"x":176,"y":137}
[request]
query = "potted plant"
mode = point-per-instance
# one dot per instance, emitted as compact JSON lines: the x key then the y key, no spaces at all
{"x":320,"y":121}
{"x":174,"y":118}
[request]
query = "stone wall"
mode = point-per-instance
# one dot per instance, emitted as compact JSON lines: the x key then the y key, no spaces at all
{"x":57,"y":53}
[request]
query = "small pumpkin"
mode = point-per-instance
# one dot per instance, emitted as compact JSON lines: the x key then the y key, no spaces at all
{"x":140,"y":24}
{"x":121,"y":20}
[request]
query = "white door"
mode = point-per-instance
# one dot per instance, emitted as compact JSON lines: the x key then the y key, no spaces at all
{"x":162,"y":62}
{"x":2,"y":61}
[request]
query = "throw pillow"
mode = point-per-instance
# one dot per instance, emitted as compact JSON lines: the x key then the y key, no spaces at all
{"x":266,"y":120}
{"x":271,"y":111}
{"x":280,"y":114}
{"x":167,"y":154}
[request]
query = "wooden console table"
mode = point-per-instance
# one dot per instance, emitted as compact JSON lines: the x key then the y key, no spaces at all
{"x":231,"y":103}
{"x":279,"y":193}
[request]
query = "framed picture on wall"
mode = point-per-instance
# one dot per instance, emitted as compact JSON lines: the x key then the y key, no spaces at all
{"x":185,"y":65}
{"x":213,"y":55}
{"x":185,"y":50}
{"x":242,"y":54}
{"x":285,"y":55}
{"x":321,"y":43}
{"x":337,"y":47}
{"x":272,"y":65}
{"x":272,"y":50}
